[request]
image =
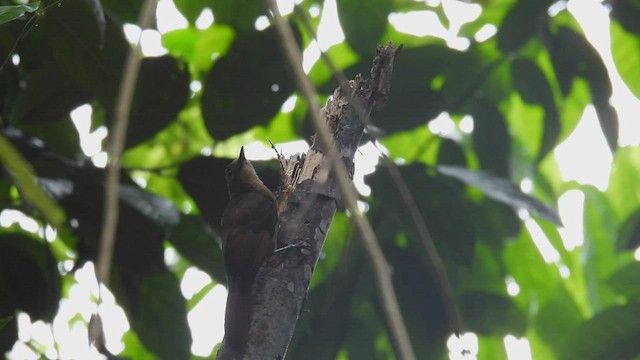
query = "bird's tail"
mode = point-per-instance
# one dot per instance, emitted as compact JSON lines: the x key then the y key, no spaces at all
{"x":238,"y":315}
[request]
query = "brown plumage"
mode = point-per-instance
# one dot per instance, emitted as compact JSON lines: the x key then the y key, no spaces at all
{"x":248,"y":239}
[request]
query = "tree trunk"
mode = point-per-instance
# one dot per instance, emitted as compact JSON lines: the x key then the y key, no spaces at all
{"x":307,"y":202}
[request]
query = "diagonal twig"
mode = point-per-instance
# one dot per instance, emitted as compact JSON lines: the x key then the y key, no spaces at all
{"x":118,"y":138}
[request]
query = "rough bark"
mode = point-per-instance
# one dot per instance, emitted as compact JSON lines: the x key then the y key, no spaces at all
{"x":307,"y":202}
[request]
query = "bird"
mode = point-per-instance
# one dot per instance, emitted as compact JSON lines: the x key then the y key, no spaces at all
{"x":249,"y":226}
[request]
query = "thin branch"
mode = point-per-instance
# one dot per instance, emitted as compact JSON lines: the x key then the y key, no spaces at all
{"x":381,"y":273}
{"x":118,"y":137}
{"x":435,"y":261}
{"x":112,"y":183}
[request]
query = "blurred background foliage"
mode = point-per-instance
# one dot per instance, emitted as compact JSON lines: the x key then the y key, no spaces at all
{"x":223,"y":85}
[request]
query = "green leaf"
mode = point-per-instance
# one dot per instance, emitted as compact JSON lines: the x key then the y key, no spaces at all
{"x":537,"y":279}
{"x":627,"y":13}
{"x":199,"y":47}
{"x":534,"y":88}
{"x":203,"y":179}
{"x":340,"y":233}
{"x":501,"y":190}
{"x":89,"y":47}
{"x":625,"y":48}
{"x":179,"y":141}
{"x":29,"y":279}
{"x":495,"y":222}
{"x":491,"y":347}
{"x":527,"y":135}
{"x":342,"y":57}
{"x":191,"y":9}
{"x":415,"y":100}
{"x":199,"y":244}
{"x":491,"y":314}
{"x":45,"y":101}
{"x":572,"y":55}
{"x":625,"y":281}
{"x":451,"y":153}
{"x":522,"y":23}
{"x":239,"y":14}
{"x":162,"y":325}
{"x":363,"y":34}
{"x":425,"y":149}
{"x":599,"y":254}
{"x":491,"y":140}
{"x":156,"y":208}
{"x":441,"y":203}
{"x":123,"y":11}
{"x":629,"y":235}
{"x":610,"y":334}
{"x":25,"y":180}
{"x":246,"y":87}
{"x":623,"y":193}
{"x":12,"y":12}
{"x":133,"y":348}
{"x":161,"y":92}
{"x":557,"y":318}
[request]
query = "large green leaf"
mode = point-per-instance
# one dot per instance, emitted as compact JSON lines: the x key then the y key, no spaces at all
{"x":425,"y":145}
{"x":162,"y":324}
{"x":491,"y":140}
{"x":161,"y":92}
{"x":246,"y":87}
{"x":557,"y":318}
{"x":626,"y":281}
{"x":610,"y":334}
{"x":627,"y":13}
{"x":25,"y":179}
{"x":534,"y":88}
{"x":487,"y":314}
{"x":47,"y":95}
{"x":323,"y":331}
{"x":29,"y":279}
{"x":124,"y":11}
{"x":191,"y":9}
{"x":199,"y":244}
{"x":501,"y":190}
{"x":83,"y":41}
{"x":12,"y":12}
{"x":179,"y":141}
{"x":440,"y":202}
{"x":491,"y":347}
{"x":573,"y":56}
{"x":364,"y":34}
{"x":451,"y":153}
{"x":419,"y":297}
{"x":521,"y":23}
{"x":199,"y":47}
{"x":239,"y":14}
{"x":623,"y":193}
{"x":625,"y":48}
{"x":629,"y":235}
{"x":414,"y":99}
{"x":537,"y":279}
{"x":599,"y":251}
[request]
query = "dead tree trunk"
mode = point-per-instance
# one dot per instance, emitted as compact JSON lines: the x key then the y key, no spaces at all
{"x":307,"y":202}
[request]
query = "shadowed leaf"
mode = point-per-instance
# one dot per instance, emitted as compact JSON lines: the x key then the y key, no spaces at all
{"x":610,"y":334}
{"x":502,"y":190}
